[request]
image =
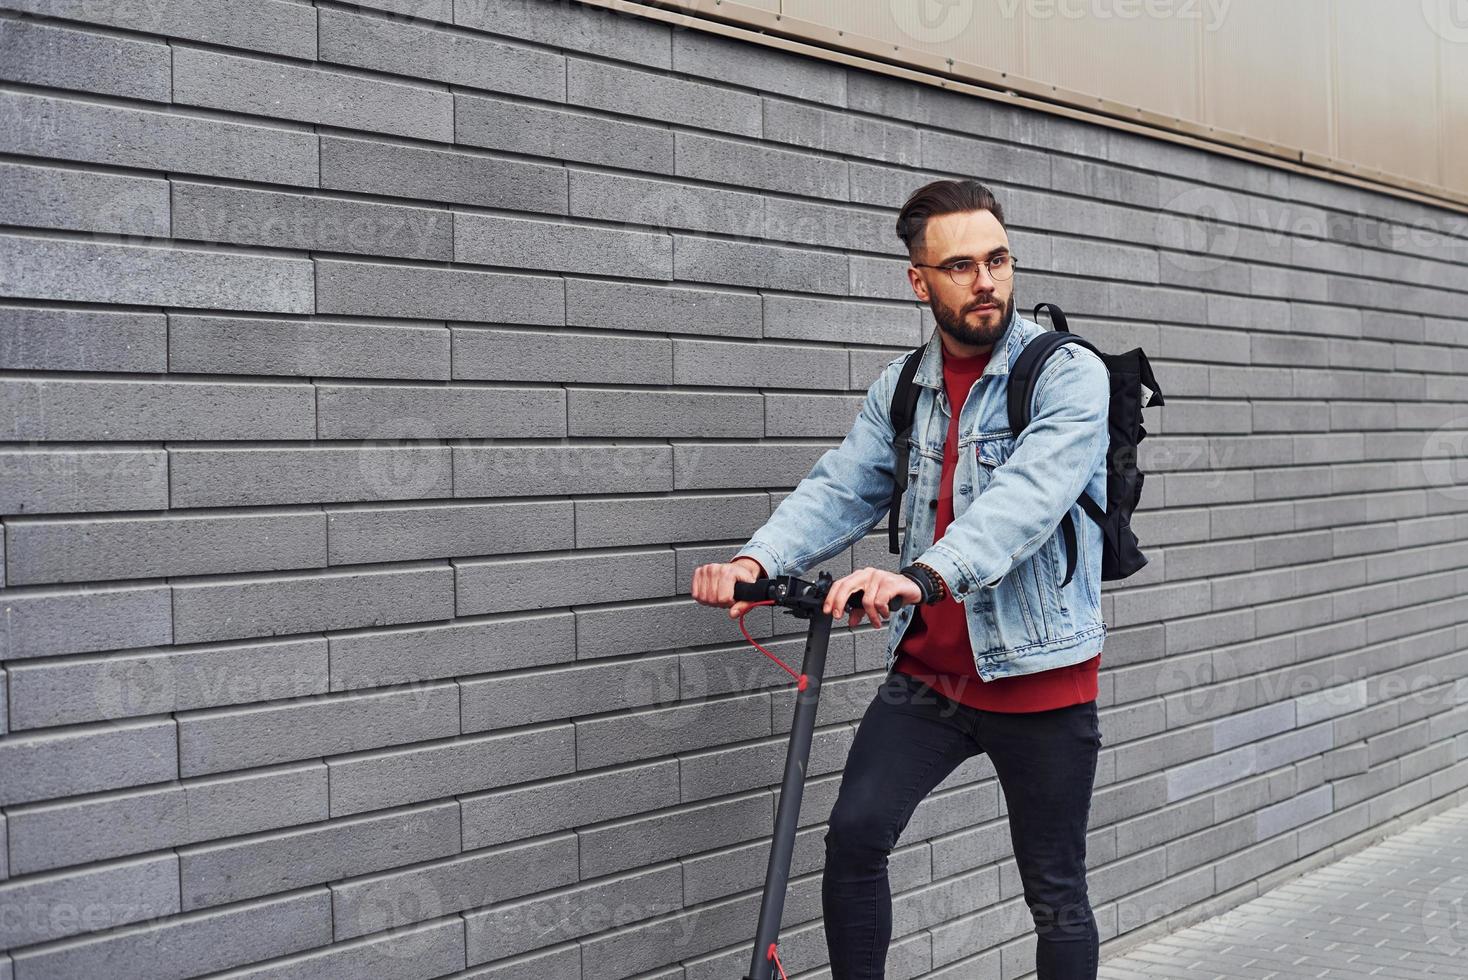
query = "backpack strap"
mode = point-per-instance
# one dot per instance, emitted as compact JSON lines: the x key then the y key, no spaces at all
{"x":904,"y":404}
{"x":1021,"y":394}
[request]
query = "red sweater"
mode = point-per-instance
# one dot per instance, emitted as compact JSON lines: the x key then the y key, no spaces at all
{"x":936,"y":649}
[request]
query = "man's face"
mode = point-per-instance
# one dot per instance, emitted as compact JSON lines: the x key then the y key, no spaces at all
{"x":976,"y":314}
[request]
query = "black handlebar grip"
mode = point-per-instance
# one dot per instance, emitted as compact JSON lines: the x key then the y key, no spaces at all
{"x":751,"y":591}
{"x":893,"y":604}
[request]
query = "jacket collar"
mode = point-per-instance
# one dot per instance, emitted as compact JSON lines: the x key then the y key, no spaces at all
{"x":930,"y":367}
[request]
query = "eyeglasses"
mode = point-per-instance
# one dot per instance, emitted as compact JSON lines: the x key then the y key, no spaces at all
{"x":965,"y":271}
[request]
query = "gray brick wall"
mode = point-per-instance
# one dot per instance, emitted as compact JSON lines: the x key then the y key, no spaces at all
{"x":374,"y":377}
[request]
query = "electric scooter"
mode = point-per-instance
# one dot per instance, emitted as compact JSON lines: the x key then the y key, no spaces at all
{"x":803,"y":600}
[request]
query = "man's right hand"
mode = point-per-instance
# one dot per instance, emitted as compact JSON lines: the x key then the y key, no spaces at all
{"x":713,"y":584}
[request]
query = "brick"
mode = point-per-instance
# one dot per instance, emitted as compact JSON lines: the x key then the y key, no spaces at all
{"x":426,"y":12}
{"x":87,"y":760}
{"x":448,"y":530}
{"x":746,"y":164}
{"x":216,"y":873}
{"x":458,"y":176}
{"x":62,"y":57}
{"x":270,"y":606}
{"x":662,"y":730}
{"x":556,"y":963}
{"x":97,"y":549}
{"x":807,"y":318}
{"x":512,"y":470}
{"x":181,"y":947}
{"x":502,"y":585}
{"x":812,"y":223}
{"x":679,"y":309}
{"x":529,"y":697}
{"x":52,"y":907}
{"x":65,"y":410}
{"x":725,"y":364}
{"x":648,"y":95}
{"x":378,"y":658}
{"x":123,"y":136}
{"x":61,"y":481}
{"x":634,"y":412}
{"x":718,"y":466}
{"x":874,"y":278}
{"x":501,"y":931}
{"x":252,"y":477}
{"x":129,"y":684}
{"x":307,"y":348}
{"x":643,"y":627}
{"x":637,"y":202}
{"x":42,"y":623}
{"x":71,"y":832}
{"x":224,"y":739}
{"x":399,"y":898}
{"x":88,"y":272}
{"x":710,"y":56}
{"x":502,"y":815}
{"x":34,"y":338}
{"x":533,"y":130}
{"x":349,"y":100}
{"x":810,"y":416}
{"x":486,"y":239}
{"x":413,"y":953}
{"x":883,"y":186}
{"x":463,"y":765}
{"x":79,"y":200}
{"x":277,"y":26}
{"x":375,"y":412}
{"x":758,"y":265}
{"x":419,"y":50}
{"x":519,"y":355}
{"x":594,"y":30}
{"x":246,"y":216}
{"x":422,"y":292}
{"x":675,"y":833}
{"x":1102,"y":259}
{"x":836,"y":132}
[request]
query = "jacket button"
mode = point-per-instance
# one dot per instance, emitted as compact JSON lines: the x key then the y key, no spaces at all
{"x":932,"y":505}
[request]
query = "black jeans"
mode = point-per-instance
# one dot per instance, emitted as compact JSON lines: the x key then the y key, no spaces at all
{"x":909,"y":740}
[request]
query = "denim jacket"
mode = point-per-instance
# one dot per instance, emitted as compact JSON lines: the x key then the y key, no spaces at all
{"x":1003,"y":555}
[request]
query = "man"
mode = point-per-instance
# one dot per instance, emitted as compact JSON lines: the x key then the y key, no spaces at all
{"x":993,"y":651}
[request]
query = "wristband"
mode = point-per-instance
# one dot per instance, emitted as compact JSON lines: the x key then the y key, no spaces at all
{"x":929,"y":583}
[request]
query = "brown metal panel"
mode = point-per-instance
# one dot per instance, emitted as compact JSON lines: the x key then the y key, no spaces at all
{"x":1386,"y":76}
{"x":1453,"y":93}
{"x":1141,"y":54}
{"x":983,"y":32}
{"x":1408,"y":108}
{"x":1266,"y":72}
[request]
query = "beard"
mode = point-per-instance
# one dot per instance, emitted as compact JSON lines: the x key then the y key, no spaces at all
{"x":952,"y":321}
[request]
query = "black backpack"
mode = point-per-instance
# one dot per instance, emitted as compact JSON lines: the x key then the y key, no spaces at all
{"x":1133,"y":388}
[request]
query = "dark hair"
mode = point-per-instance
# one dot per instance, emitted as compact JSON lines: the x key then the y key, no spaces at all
{"x":939,"y":198}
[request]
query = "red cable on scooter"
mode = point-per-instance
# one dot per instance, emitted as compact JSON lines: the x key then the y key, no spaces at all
{"x":800,"y":679}
{"x":778,"y":965}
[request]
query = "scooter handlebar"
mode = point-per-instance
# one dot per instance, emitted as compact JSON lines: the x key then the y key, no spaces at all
{"x":759,"y":591}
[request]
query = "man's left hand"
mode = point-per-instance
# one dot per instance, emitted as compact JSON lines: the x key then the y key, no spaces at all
{"x":877,"y":587}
